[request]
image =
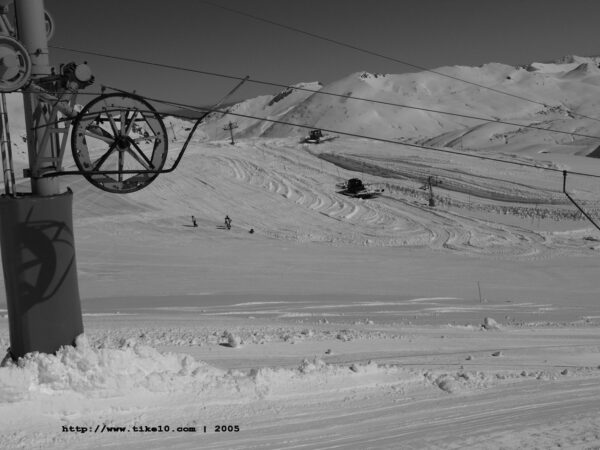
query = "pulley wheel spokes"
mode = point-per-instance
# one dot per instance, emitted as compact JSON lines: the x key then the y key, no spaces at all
{"x":120,"y":140}
{"x":15,"y":65}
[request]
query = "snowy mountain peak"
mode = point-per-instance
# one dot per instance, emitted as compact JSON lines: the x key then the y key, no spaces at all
{"x":566,"y":81}
{"x":572,"y":59}
{"x":564,"y":64}
{"x":583,"y":69}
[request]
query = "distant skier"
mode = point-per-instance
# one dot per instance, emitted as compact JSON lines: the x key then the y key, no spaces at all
{"x":251,"y":231}
{"x":194,"y":223}
{"x":228,"y":222}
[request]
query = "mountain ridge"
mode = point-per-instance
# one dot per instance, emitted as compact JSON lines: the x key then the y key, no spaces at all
{"x":558,"y":91}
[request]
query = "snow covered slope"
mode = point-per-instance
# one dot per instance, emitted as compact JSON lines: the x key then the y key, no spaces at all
{"x":560,"y":90}
{"x":339,"y":322}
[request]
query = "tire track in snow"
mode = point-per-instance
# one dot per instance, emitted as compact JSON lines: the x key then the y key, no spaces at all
{"x":294,"y":186}
{"x":286,"y":192}
{"x":513,"y":415}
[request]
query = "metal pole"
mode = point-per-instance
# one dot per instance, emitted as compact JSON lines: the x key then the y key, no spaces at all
{"x":5,"y":148}
{"x":36,"y":230}
{"x":9,"y":144}
{"x":588,"y":217}
{"x":5,"y":168}
{"x":230,"y":127}
{"x":431,"y":199}
{"x":31,"y":25}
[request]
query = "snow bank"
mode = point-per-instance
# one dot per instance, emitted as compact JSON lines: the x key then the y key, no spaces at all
{"x":130,"y":369}
{"x":101,"y":372}
{"x":490,"y":324}
{"x":463,"y":382}
{"x":315,"y":377}
{"x":468,"y":381}
{"x":233,"y":340}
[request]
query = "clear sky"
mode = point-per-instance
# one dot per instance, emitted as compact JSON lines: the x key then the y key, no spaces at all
{"x":429,"y":33}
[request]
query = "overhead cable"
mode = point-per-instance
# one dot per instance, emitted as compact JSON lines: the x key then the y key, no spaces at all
{"x":355,"y":135}
{"x":321,"y":92}
{"x":377,"y":54}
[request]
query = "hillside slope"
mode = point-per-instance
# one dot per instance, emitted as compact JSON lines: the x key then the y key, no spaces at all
{"x":559,"y":92}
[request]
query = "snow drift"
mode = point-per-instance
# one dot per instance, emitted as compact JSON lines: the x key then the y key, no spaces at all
{"x":91,"y":371}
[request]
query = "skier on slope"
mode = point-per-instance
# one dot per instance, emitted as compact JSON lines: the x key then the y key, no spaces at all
{"x":228,"y":222}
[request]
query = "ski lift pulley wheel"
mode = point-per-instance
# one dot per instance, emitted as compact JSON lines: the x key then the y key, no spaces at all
{"x":15,"y":65}
{"x":115,"y":136}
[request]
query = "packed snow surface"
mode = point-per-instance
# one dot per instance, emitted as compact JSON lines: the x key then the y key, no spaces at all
{"x":340,"y":322}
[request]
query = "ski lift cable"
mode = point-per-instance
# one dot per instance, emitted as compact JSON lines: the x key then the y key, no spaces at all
{"x":321,"y":92}
{"x":206,"y":110}
{"x":215,"y":108}
{"x":380,"y":55}
{"x":356,"y":135}
{"x":572,"y":200}
{"x":198,"y":121}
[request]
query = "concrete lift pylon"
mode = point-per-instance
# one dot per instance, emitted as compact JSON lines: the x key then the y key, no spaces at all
{"x":36,"y":229}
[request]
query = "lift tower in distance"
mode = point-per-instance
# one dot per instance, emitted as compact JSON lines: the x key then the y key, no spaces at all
{"x":36,"y":228}
{"x":231,"y":126}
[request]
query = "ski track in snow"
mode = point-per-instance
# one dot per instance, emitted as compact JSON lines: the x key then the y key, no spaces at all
{"x":299,"y":189}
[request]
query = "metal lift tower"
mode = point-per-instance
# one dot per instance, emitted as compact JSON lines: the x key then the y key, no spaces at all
{"x":36,"y":228}
{"x":119,"y":144}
